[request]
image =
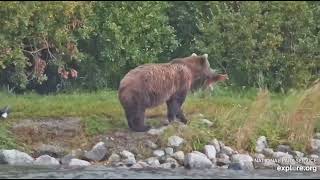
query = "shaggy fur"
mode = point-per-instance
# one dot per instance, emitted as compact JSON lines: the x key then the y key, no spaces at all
{"x":151,"y":85}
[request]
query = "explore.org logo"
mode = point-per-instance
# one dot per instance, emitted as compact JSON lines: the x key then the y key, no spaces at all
{"x":297,"y":168}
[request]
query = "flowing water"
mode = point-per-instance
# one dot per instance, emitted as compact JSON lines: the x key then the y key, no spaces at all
{"x":99,"y":172}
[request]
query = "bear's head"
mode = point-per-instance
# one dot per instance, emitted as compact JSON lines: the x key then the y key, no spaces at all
{"x":199,"y":67}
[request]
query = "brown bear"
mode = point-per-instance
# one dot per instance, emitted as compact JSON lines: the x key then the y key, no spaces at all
{"x":151,"y":85}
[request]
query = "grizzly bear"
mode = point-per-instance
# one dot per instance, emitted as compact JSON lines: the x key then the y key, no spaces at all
{"x":150,"y":85}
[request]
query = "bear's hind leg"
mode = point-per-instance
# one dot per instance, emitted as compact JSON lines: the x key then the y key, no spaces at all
{"x":180,"y":100}
{"x":138,"y":124}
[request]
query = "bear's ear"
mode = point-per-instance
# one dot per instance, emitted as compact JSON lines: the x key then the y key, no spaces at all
{"x":194,"y":54}
{"x":204,"y":60}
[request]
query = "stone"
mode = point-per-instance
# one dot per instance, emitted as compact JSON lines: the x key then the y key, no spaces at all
{"x":227,"y":150}
{"x":46,"y":160}
{"x":139,"y":165}
{"x":244,"y":161}
{"x":175,"y":141}
{"x":216,"y":145}
{"x":97,"y":153}
{"x":151,"y":144}
{"x":129,"y":158}
{"x":66,"y":159}
{"x":284,"y":158}
{"x":158,"y":153}
{"x":210,"y":151}
{"x":297,"y":154}
{"x":174,"y":163}
{"x":157,"y":131}
{"x":15,"y":157}
{"x":126,"y":154}
{"x":169,"y":151}
{"x":167,"y":166}
{"x":206,"y":122}
{"x":179,"y":156}
{"x":315,"y":146}
{"x":268,"y":152}
{"x":79,"y":162}
{"x":114,"y":157}
{"x":284,"y":148}
{"x":195,"y":160}
{"x":153,"y":162}
{"x":317,"y":136}
{"x":222,"y":159}
{"x":261,"y":144}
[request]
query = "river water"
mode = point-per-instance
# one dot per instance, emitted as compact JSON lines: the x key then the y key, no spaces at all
{"x":99,"y":172}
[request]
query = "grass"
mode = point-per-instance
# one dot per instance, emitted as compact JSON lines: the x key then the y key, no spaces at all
{"x":239,"y":116}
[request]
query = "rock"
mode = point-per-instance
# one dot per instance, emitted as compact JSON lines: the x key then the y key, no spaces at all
{"x":179,"y":156}
{"x":78,"y":162}
{"x":227,"y":150}
{"x":222,"y":159}
{"x":129,"y":162}
{"x":126,"y":154}
{"x":210,"y":151}
{"x":284,"y":148}
{"x":129,"y":158}
{"x":114,"y":157}
{"x":151,"y":144}
{"x":163,"y":159}
{"x":216,"y":145}
{"x":153,"y":162}
{"x":174,"y":163}
{"x":46,"y":160}
{"x":158,"y":153}
{"x":78,"y":153}
{"x":175,"y":141}
{"x":157,"y":131}
{"x":260,"y":162}
{"x":97,"y":153}
{"x":278,"y":155}
{"x":268,"y":152}
{"x":169,"y":151}
{"x":297,"y":154}
{"x":15,"y":157}
{"x":207,"y":122}
{"x":284,"y":158}
{"x":244,"y":161}
{"x":66,"y":159}
{"x":315,"y":146}
{"x":315,"y":158}
{"x":51,"y":150}
{"x":139,"y":165}
{"x":195,"y":160}
{"x":167,"y":166}
{"x":317,"y":136}
{"x":261,"y":144}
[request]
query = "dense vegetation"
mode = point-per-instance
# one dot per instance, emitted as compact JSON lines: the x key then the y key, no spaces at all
{"x":51,"y":46}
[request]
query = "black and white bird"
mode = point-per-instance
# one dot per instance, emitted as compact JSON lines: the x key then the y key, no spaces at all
{"x":4,"y":112}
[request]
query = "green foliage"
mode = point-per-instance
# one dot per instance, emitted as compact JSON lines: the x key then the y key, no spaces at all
{"x":266,"y":44}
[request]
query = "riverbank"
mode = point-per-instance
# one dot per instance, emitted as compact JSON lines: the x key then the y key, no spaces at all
{"x":72,"y":126}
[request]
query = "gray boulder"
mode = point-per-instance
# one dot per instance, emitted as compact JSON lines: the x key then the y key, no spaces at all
{"x":179,"y":156}
{"x":175,"y":141}
{"x":243,"y":161}
{"x":46,"y":160}
{"x":97,"y":153}
{"x":15,"y":157}
{"x":261,"y":144}
{"x":79,"y":162}
{"x":197,"y":160}
{"x":210,"y":151}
